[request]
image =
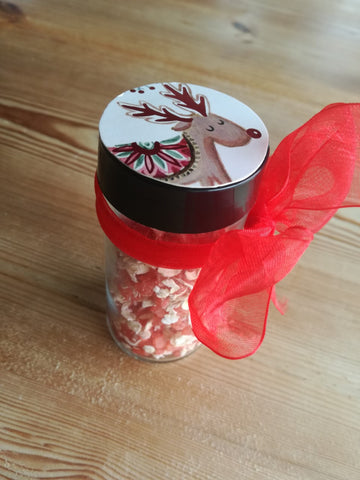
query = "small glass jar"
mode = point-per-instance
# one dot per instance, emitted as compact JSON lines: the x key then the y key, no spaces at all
{"x":169,"y":176}
{"x":147,"y":305}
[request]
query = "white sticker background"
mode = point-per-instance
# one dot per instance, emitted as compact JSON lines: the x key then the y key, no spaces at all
{"x":117,"y":126}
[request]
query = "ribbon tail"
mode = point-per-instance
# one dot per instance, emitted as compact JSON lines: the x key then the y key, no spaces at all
{"x":280,"y":305}
{"x":235,"y":329}
{"x":353,"y":197}
{"x":230,"y":300}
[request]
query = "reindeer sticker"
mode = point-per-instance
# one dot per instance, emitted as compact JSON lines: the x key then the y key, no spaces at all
{"x":191,"y":155}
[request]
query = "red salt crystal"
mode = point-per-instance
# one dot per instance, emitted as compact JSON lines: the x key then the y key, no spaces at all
{"x":125,"y":331}
{"x":180,"y":325}
{"x":159,"y":342}
{"x":159,"y":307}
{"x":144,"y":316}
{"x":124,"y":285}
{"x":145,"y":284}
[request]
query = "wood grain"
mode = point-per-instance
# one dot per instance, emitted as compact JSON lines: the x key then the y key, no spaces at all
{"x":72,"y":405}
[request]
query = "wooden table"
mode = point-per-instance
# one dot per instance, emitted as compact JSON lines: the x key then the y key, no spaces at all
{"x":71,"y":404}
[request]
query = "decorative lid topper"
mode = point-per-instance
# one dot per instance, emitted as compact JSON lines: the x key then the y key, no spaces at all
{"x":186,"y":135}
{"x":180,"y":158}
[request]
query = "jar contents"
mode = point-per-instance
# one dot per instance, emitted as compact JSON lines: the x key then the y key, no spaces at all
{"x":148,"y":312}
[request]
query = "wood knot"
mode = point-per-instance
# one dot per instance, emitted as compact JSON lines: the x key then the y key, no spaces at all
{"x":11,"y":12}
{"x":241,"y":27}
{"x":247,"y":33}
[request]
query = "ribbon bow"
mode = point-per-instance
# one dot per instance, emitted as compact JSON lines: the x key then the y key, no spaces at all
{"x":314,"y":171}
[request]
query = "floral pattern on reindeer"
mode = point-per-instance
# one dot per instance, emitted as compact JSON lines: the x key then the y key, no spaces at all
{"x":157,"y":159}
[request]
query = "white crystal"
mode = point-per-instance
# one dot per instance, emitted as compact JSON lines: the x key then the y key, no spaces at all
{"x":161,"y":292}
{"x":148,"y":326}
{"x":174,"y":287}
{"x":129,"y":342}
{"x":126,"y":312}
{"x":191,"y":274}
{"x":179,"y":340}
{"x":134,"y":326}
{"x":145,"y":335}
{"x":168,"y":272}
{"x":135,"y":267}
{"x":185,"y":305}
{"x":118,"y":298}
{"x":170,"y":318}
{"x":149,"y":349}
{"x":147,"y":303}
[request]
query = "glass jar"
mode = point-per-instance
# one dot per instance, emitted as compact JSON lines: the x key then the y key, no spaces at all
{"x":147,"y":305}
{"x":165,"y":193}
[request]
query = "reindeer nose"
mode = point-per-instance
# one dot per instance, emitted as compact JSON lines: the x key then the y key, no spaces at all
{"x":253,"y":133}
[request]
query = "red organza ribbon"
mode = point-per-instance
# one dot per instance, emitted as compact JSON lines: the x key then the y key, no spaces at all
{"x":157,"y":252}
{"x":314,"y":171}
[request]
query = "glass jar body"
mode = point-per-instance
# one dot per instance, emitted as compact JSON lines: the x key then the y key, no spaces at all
{"x":147,"y":307}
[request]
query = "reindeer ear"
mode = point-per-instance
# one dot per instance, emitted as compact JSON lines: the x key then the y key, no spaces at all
{"x":179,"y":126}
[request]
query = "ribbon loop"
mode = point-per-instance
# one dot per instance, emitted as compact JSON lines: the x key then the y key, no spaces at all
{"x":314,"y":171}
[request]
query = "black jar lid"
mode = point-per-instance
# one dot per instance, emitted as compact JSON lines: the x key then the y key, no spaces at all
{"x":180,"y":158}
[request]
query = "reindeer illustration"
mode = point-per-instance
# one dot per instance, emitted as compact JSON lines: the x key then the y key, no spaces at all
{"x":200,"y":130}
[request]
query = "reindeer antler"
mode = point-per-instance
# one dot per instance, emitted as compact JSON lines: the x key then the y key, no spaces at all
{"x":149,"y":111}
{"x":162,"y":114}
{"x":186,"y":99}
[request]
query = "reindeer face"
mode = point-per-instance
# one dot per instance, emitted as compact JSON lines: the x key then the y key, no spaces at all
{"x":220,"y":130}
{"x":217,"y":129}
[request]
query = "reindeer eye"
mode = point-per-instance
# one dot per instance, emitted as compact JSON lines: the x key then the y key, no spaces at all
{"x":221,"y":122}
{"x":210,"y":128}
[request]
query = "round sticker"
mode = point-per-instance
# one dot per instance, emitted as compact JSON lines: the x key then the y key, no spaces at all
{"x":188,"y":135}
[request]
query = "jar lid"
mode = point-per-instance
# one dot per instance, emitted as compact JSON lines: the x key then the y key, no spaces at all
{"x":180,"y":158}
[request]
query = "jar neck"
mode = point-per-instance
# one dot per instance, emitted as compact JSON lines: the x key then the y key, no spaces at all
{"x":186,"y":238}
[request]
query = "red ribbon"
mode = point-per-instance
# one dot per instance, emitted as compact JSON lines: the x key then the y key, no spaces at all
{"x":314,"y":171}
{"x":162,"y":253}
